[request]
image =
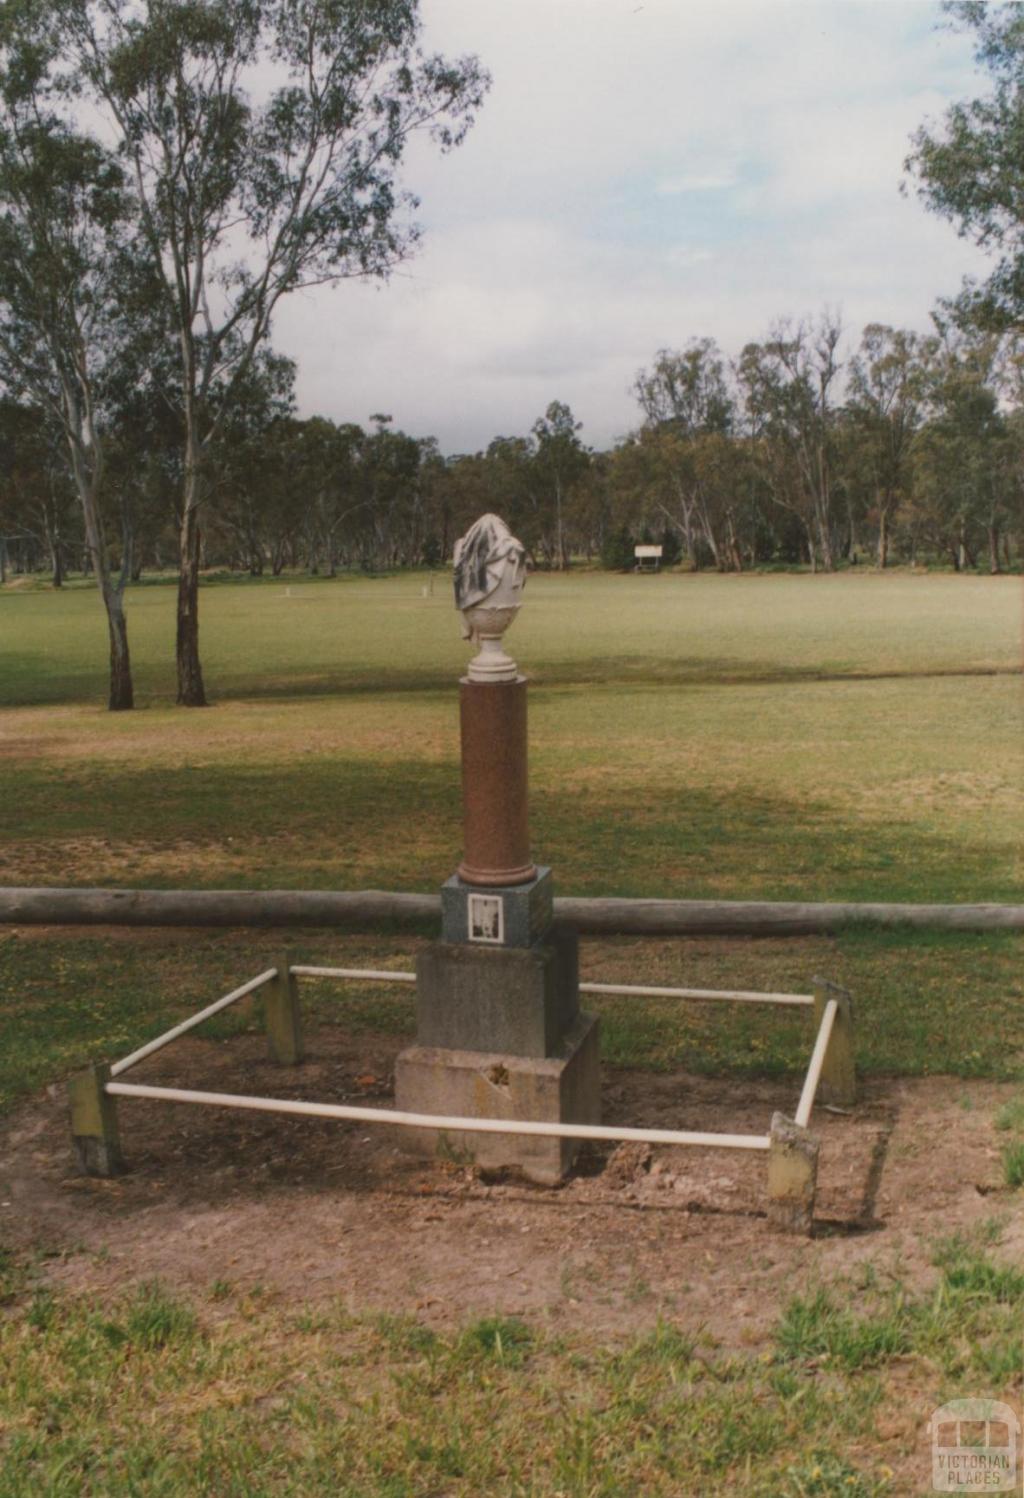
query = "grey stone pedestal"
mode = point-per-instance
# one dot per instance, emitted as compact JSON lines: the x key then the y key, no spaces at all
{"x":519,"y":1000}
{"x":500,"y":1035}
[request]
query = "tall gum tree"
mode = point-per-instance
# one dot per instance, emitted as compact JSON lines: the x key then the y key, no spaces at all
{"x":968,"y":168}
{"x":64,"y":262}
{"x":966,"y":454}
{"x":886,"y":392}
{"x":559,"y":461}
{"x":689,"y":415}
{"x":35,"y":488}
{"x":788,"y":387}
{"x":264,"y":140}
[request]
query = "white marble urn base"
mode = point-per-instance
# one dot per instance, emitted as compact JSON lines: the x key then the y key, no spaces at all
{"x":487,"y":626}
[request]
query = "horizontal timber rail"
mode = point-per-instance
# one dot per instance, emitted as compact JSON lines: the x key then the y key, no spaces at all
{"x":437,"y":1121}
{"x":739,"y":995}
{"x":356,"y":908}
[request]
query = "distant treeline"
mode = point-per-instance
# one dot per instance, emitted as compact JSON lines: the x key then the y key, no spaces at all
{"x":169,"y":174}
{"x":911,"y":449}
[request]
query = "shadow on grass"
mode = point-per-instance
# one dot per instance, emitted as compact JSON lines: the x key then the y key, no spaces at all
{"x":31,"y":680}
{"x":327,"y":822}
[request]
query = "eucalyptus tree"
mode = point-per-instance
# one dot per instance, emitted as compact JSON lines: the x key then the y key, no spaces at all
{"x":967,"y":458}
{"x":264,"y":140}
{"x":592,"y":504}
{"x":508,"y":483}
{"x":327,"y":467}
{"x":559,"y":461}
{"x":968,"y":167}
{"x":686,"y":390}
{"x":644,"y":486}
{"x":387,"y":518}
{"x":721,"y":490}
{"x":427,"y":501}
{"x":689,"y":415}
{"x":789,"y":384}
{"x":468,"y":489}
{"x":37,"y":499}
{"x":254,"y":491}
{"x":887,"y":389}
{"x":65,"y":266}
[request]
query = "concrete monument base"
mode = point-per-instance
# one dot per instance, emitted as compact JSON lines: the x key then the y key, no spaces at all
{"x":564,"y":1087}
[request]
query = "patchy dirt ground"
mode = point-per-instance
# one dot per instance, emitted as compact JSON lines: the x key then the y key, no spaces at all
{"x":310,"y":1209}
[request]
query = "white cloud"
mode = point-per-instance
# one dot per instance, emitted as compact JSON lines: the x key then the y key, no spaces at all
{"x":641,"y":174}
{"x":670,"y":187}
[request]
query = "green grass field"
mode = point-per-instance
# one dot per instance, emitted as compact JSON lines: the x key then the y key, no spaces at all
{"x":851,"y":737}
{"x":854,"y":737}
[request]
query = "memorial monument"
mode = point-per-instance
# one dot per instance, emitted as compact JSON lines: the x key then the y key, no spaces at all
{"x":499,"y":1030}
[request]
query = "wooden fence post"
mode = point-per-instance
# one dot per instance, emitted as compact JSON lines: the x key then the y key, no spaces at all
{"x":94,"y":1130}
{"x":839,"y":1075}
{"x":284,"y":1017}
{"x":792,"y":1176}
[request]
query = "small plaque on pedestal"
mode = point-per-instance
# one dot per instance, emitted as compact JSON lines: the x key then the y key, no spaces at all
{"x":513,"y":915}
{"x":487,"y":919}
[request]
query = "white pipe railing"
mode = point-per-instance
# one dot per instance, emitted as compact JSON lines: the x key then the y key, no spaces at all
{"x":817,"y":1061}
{"x":474,"y":1125}
{"x":745,"y":996}
{"x":190,"y":1024}
{"x":439,"y":1121}
{"x":376,"y":975}
{"x":388,"y":975}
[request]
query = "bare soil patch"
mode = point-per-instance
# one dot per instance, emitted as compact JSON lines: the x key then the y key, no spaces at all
{"x":309,"y":1210}
{"x":25,"y":748}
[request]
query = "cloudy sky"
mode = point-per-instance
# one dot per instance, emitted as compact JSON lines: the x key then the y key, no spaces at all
{"x":642,"y":172}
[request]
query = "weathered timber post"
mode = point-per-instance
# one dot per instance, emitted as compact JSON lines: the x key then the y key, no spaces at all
{"x":94,"y":1129}
{"x":283,"y":1016}
{"x":499,"y":1030}
{"x":838,"y":1083}
{"x":792,"y":1176}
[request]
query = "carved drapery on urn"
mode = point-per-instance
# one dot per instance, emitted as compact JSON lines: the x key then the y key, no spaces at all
{"x":490,"y":574}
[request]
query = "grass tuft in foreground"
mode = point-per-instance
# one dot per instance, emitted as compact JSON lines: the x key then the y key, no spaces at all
{"x":1010,"y":1119}
{"x":968,"y":1325}
{"x":152,"y":1394}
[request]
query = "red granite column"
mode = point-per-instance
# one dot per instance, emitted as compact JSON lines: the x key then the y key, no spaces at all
{"x":496,"y":832}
